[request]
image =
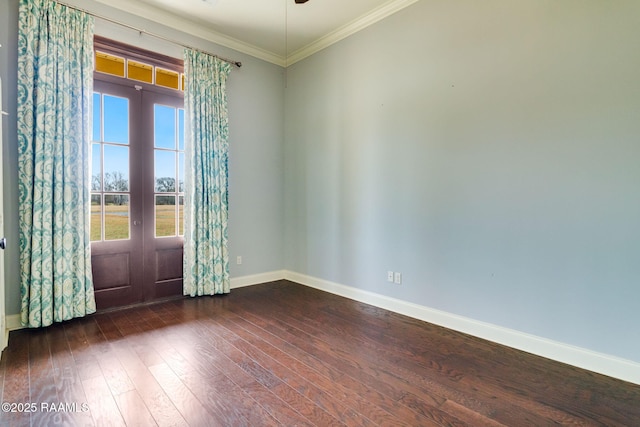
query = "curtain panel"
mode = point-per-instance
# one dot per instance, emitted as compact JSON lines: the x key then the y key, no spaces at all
{"x":206,"y":258}
{"x":55,"y":79}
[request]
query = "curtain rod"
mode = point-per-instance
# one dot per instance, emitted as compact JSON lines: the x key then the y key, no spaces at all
{"x":158,"y":36}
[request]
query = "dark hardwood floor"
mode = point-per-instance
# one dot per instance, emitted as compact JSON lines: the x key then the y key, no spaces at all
{"x":285,"y":354}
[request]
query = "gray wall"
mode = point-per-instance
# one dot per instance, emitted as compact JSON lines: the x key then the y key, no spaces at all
{"x":489,"y":151}
{"x":256,"y":102}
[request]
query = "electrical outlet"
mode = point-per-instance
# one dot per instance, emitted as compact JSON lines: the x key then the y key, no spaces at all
{"x":389,"y":276}
{"x":238,"y":260}
{"x":397,"y":278}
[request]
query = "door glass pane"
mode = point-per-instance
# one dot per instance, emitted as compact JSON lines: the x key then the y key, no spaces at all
{"x":180,"y":129}
{"x":96,"y":168}
{"x":116,"y":119}
{"x":116,"y":168}
{"x":165,"y":216}
{"x":181,"y":172}
{"x":96,"y":217}
{"x":165,"y":171}
{"x":164,"y":127}
{"x":116,"y":216}
{"x":181,"y":215}
{"x":96,"y":119}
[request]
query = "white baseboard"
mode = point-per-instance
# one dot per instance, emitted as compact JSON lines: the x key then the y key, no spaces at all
{"x":255,"y":279}
{"x":612,"y":366}
{"x":4,"y":338}
{"x":13,"y":322}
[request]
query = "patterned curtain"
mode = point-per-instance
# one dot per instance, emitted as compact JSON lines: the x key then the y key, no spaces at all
{"x":55,"y":81}
{"x":206,"y":259}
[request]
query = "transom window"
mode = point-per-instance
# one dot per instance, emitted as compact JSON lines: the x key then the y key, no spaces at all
{"x":122,"y":66}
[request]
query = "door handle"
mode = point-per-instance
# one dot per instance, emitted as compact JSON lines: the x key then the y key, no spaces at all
{"x":3,"y":243}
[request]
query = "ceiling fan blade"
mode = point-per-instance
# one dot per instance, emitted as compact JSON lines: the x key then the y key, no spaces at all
{"x":301,"y":1}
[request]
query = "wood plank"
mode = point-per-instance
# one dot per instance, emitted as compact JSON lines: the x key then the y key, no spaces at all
{"x":133,"y":409}
{"x":104,"y":409}
{"x":269,"y":356}
{"x":81,"y":351}
{"x":259,"y":352}
{"x":154,"y":397}
{"x":184,"y":400}
{"x":50,"y":410}
{"x":15,"y":388}
{"x":254,"y":363}
{"x":69,"y":388}
{"x":219,"y":376}
{"x":3,"y":370}
{"x":366,"y":400}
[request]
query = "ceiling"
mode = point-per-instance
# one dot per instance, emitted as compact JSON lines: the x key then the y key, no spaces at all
{"x":278,"y":31}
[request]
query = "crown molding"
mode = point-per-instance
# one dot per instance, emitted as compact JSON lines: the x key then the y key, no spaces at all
{"x":351,"y":28}
{"x":164,"y":18}
{"x":188,"y":27}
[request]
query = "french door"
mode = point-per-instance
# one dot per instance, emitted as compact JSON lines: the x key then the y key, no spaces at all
{"x":137,"y":196}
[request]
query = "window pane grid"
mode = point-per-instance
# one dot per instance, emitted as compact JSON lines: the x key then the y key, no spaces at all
{"x":110,"y":197}
{"x":168,"y":170}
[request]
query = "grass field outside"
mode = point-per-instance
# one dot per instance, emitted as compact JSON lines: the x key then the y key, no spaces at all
{"x":116,"y":221}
